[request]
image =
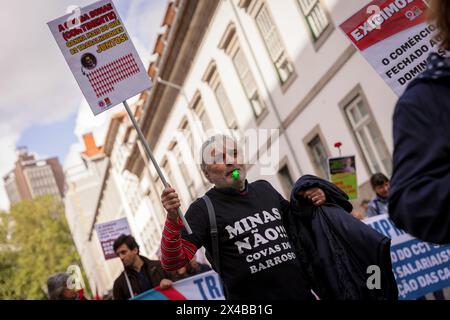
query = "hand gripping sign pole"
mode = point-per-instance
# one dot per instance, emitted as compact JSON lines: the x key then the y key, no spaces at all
{"x":104,"y":62}
{"x":149,"y":153}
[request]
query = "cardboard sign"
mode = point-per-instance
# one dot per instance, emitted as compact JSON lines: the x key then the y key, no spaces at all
{"x":395,"y":39}
{"x":342,"y":172}
{"x":419,"y":267}
{"x":100,"y":55}
{"x":108,"y":232}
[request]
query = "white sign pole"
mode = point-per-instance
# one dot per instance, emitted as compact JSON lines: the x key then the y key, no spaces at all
{"x":149,"y":153}
{"x":128,"y":282}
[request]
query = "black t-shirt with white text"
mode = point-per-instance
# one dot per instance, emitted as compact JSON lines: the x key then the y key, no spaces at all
{"x":257,"y":260}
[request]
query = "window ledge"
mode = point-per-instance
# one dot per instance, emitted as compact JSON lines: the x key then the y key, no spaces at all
{"x":318,"y":43}
{"x":286,"y":85}
{"x":262,"y":116}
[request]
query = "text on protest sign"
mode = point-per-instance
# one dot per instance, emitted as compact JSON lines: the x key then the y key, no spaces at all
{"x":108,"y":232}
{"x":419,"y":267}
{"x":394,"y":37}
{"x":204,"y":286}
{"x":100,"y":55}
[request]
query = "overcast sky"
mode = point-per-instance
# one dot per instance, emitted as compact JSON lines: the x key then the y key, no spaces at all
{"x":41,"y":105}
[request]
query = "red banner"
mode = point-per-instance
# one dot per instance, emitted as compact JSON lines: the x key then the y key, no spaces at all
{"x":381,"y":19}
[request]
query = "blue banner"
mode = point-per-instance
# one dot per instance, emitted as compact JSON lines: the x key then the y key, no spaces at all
{"x":419,"y":267}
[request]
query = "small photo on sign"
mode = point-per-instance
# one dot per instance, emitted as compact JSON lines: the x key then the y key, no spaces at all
{"x":89,"y":61}
{"x":340,"y":165}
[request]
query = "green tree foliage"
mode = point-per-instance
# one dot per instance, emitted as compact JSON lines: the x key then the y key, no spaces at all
{"x":37,"y":243}
{"x":8,"y":257}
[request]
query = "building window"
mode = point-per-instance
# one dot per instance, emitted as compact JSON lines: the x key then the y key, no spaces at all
{"x":230,"y":44}
{"x":286,"y":179}
{"x":368,"y":136}
{"x":212,"y":78}
{"x":319,"y":156}
{"x":248,"y":82}
{"x":199,"y":109}
{"x":315,"y":16}
{"x":191,"y":145}
{"x":274,"y":45}
{"x":225,"y":105}
{"x":203,"y":116}
{"x":187,"y":132}
{"x":184,"y":171}
{"x":155,"y":202}
{"x":171,"y":180}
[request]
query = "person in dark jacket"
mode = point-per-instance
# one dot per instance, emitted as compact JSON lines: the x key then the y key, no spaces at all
{"x":140,"y":274}
{"x":419,"y":199}
{"x":337,"y":249}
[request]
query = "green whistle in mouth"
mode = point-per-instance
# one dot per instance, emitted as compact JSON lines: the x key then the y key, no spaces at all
{"x":235,"y":174}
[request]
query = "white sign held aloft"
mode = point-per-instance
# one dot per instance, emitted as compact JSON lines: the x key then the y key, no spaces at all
{"x":101,"y":55}
{"x":108,"y":232}
{"x":105,"y":63}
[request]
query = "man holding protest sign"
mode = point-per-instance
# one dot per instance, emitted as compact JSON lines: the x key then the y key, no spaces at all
{"x":140,"y":274}
{"x":256,"y":257}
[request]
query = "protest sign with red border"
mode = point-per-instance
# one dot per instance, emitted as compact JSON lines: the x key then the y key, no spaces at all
{"x":395,"y":38}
